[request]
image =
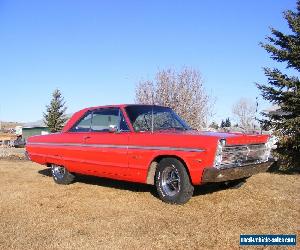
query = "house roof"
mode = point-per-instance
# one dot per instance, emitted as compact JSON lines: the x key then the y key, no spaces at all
{"x":39,"y":123}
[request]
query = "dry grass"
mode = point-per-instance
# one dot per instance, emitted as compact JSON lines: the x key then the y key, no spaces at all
{"x":97,"y":213}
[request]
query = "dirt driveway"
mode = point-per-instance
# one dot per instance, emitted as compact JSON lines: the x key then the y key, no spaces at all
{"x":96,"y":213}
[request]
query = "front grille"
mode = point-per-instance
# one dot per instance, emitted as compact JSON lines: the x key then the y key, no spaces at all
{"x":244,"y":154}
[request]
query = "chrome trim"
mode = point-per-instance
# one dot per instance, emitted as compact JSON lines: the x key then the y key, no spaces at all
{"x":116,"y":146}
{"x":58,"y":171}
{"x":242,"y":155}
{"x":220,"y":175}
{"x":170,"y":181}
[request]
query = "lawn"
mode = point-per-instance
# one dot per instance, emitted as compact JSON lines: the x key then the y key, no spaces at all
{"x":96,"y":213}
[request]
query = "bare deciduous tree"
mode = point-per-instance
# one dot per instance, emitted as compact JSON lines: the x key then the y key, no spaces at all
{"x":182,"y":91}
{"x":245,"y":110}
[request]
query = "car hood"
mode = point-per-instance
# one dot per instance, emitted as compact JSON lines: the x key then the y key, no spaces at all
{"x":231,"y":138}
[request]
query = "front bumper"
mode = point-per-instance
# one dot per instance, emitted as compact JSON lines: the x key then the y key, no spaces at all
{"x":234,"y":173}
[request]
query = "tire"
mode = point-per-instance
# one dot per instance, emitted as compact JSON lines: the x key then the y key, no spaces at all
{"x":61,"y":175}
{"x":172,"y":182}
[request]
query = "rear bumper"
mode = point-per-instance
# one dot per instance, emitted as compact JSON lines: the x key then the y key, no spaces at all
{"x":234,"y":173}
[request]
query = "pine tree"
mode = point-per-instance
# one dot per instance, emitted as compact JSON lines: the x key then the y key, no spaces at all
{"x":222,"y":124}
{"x":227,"y":123}
{"x":55,"y":117}
{"x":284,"y":90}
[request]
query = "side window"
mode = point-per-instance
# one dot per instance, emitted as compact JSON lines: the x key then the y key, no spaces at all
{"x":104,"y":119}
{"x":83,"y":125}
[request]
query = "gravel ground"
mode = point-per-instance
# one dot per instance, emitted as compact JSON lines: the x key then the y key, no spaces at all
{"x":96,"y":213}
{"x":12,"y":153}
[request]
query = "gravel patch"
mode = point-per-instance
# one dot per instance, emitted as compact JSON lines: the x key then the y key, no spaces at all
{"x":11,"y":153}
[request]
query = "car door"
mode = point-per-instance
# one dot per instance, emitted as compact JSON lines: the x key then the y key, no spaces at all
{"x":73,"y":148}
{"x":107,"y":143}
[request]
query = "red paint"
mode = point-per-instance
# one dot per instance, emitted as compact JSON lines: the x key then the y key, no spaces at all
{"x":129,"y":154}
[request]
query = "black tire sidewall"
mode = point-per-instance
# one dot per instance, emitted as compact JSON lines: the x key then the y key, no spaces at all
{"x":67,"y":178}
{"x":186,"y":189}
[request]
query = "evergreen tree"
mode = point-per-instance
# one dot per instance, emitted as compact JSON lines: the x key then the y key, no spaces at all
{"x":284,"y":90}
{"x":55,"y":117}
{"x":227,"y":123}
{"x":222,"y":124}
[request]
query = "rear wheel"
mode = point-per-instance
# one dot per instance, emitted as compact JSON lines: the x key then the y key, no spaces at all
{"x":172,"y":182}
{"x":61,"y":175}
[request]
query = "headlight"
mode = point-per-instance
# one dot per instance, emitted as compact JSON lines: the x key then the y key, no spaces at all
{"x":219,"y":153}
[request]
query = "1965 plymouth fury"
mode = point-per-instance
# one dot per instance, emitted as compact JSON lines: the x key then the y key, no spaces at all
{"x":148,"y":144}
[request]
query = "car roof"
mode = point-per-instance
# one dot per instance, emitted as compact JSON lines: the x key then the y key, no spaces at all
{"x":120,"y":106}
{"x":81,"y":112}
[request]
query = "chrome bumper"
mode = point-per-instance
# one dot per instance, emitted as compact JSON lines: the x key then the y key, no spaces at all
{"x":234,"y":173}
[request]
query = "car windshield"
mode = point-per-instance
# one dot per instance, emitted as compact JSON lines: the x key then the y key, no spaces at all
{"x":163,"y":118}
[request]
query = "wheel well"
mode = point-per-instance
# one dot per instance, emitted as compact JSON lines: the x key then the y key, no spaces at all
{"x":154,"y":163}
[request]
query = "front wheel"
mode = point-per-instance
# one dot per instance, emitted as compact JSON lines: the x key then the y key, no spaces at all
{"x":172,"y":182}
{"x":61,"y":175}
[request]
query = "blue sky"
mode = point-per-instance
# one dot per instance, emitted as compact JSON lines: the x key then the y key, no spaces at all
{"x":96,"y":51}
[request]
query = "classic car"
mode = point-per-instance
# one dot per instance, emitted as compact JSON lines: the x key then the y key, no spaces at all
{"x":148,"y":144}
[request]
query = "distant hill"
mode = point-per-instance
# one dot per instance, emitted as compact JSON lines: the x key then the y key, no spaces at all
{"x":5,"y":126}
{"x":40,"y":123}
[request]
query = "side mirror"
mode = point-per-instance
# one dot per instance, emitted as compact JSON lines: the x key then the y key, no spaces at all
{"x":113,"y":128}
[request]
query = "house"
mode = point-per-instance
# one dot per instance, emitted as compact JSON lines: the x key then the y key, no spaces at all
{"x":34,"y":128}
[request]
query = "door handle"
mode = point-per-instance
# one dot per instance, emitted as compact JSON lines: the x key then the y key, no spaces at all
{"x":86,"y":137}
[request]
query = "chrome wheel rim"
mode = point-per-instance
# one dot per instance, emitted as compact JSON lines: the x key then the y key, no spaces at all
{"x":170,"y":181}
{"x":58,"y":171}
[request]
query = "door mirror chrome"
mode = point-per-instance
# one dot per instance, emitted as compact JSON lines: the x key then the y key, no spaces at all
{"x":113,"y":128}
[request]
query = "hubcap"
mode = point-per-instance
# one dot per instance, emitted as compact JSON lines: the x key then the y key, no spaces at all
{"x":58,"y":171}
{"x":170,"y":181}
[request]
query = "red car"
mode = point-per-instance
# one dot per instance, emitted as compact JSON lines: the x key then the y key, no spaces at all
{"x":148,"y":144}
